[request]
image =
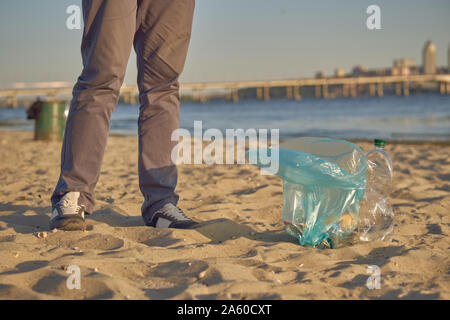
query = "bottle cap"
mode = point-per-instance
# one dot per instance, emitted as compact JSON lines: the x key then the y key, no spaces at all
{"x":379,"y":143}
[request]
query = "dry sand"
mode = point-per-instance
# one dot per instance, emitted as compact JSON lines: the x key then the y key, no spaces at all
{"x":242,"y":252}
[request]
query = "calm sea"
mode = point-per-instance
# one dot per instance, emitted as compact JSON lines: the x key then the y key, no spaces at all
{"x":424,"y":117}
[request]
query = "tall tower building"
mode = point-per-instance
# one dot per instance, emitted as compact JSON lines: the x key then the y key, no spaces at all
{"x":429,"y":58}
{"x":448,"y":58}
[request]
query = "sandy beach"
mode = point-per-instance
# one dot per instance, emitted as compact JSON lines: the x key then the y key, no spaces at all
{"x":241,"y":250}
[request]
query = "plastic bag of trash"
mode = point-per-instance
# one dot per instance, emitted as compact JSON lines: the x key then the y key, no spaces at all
{"x":324,"y":181}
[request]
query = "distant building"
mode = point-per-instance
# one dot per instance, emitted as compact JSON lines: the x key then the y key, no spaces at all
{"x":320,"y":74}
{"x":383,"y":72}
{"x":414,"y":70}
{"x":339,"y":72}
{"x":404,"y":62}
{"x":448,"y":58}
{"x":402,"y":67}
{"x":359,"y":71}
{"x":400,"y":71}
{"x":429,"y":58}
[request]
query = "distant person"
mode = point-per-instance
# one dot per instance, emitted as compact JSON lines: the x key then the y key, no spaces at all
{"x":34,"y":110}
{"x":160,"y":32}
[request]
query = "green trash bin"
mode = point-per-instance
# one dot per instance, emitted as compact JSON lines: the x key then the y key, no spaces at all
{"x":50,"y":121}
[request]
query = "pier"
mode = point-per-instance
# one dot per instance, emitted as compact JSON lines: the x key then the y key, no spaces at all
{"x":349,"y":88}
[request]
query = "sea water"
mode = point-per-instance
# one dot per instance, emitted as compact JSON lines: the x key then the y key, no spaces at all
{"x":424,"y":117}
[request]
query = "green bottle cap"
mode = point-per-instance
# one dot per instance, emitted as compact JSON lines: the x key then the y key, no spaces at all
{"x":379,"y":143}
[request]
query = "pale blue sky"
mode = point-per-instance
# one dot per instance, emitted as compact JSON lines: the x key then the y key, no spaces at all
{"x":237,"y":39}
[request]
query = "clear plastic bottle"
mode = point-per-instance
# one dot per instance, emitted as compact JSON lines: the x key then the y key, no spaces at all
{"x":379,"y":170}
{"x":376,"y":217}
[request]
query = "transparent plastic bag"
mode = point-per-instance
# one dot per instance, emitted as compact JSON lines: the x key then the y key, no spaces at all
{"x":324,"y":180}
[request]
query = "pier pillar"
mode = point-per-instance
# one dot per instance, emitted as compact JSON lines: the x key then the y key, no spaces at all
{"x":372,"y":89}
{"x":266,"y":93}
{"x":228,"y":94}
{"x":353,"y":91}
{"x":195,"y":95}
{"x":317,"y":91}
{"x":289,"y":92}
{"x":325,"y":91}
{"x":259,"y":93}
{"x":442,"y":88}
{"x":448,"y":87}
{"x":398,"y":89}
{"x":235,"y":94}
{"x":406,"y":88}
{"x":345,"y":90}
{"x":202,"y":96}
{"x":126,"y":99}
{"x":12,"y":102}
{"x":297,"y":95}
{"x":380,"y":90}
{"x":133,"y":98}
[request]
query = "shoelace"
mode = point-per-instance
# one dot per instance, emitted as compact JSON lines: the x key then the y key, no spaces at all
{"x":176,"y":214}
{"x":66,"y":203}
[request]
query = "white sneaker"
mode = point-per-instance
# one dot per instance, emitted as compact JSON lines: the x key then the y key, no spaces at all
{"x":67,"y":214}
{"x":170,"y":216}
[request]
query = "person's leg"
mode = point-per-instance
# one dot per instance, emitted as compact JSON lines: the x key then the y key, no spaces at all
{"x":161,"y":43}
{"x":108,"y":35}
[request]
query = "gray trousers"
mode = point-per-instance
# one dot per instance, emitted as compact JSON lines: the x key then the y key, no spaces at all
{"x":160,"y":32}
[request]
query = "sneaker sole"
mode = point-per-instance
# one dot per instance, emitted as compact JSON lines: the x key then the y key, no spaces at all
{"x":68,"y":223}
{"x":177,"y":225}
{"x":183,"y":225}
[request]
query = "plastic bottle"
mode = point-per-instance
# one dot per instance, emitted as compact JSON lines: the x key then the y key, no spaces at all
{"x":376,"y":217}
{"x":379,"y":170}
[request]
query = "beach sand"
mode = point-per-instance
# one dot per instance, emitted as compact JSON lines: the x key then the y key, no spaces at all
{"x":240,"y":252}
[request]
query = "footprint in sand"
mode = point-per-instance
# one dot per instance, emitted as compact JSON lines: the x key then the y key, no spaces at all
{"x":99,"y":242}
{"x":55,"y":284}
{"x":148,"y":236}
{"x":94,"y":241}
{"x":27,"y":266}
{"x":13,"y":292}
{"x":179,"y":269}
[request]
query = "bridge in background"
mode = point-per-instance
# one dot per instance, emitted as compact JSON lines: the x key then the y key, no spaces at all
{"x":349,"y":88}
